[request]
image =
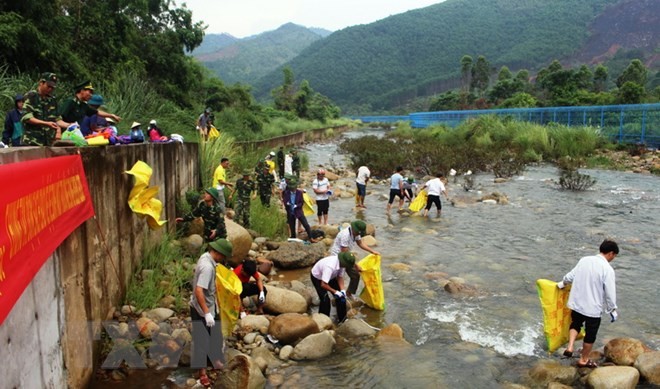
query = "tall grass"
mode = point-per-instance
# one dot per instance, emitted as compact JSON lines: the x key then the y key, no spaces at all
{"x":268,"y":221}
{"x":210,"y":154}
{"x":165,"y":275}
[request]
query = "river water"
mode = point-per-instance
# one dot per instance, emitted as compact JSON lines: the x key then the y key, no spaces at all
{"x":493,"y":337}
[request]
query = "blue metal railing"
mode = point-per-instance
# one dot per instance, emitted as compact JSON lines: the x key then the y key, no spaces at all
{"x":637,"y":123}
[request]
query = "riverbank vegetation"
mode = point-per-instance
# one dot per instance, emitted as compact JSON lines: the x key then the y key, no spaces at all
{"x":486,"y":144}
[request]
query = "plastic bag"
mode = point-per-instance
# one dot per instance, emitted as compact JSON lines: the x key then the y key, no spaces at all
{"x":74,"y":134}
{"x":228,"y":293}
{"x":214,"y":133}
{"x":372,"y":294}
{"x":556,"y":315}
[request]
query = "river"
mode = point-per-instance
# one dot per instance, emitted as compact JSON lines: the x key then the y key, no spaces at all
{"x":494,"y":337}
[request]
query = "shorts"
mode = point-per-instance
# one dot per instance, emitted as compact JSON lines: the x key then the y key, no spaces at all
{"x":361,"y":189}
{"x":591,"y":325}
{"x":251,"y":289}
{"x":394,"y":193}
{"x":323,"y":206}
{"x":433,"y":199}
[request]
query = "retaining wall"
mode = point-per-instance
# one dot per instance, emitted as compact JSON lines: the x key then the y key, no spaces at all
{"x":47,"y":340}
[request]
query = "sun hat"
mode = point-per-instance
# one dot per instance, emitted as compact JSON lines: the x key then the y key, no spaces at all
{"x":214,"y":193}
{"x":223,"y":246}
{"x":346,"y":259}
{"x":110,"y":120}
{"x":359,"y":226}
{"x":96,"y":100}
{"x":135,"y":124}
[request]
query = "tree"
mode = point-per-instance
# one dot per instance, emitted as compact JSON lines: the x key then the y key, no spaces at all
{"x":466,"y":72}
{"x":520,"y":100}
{"x":284,"y":94}
{"x":583,"y":77}
{"x":504,"y":74}
{"x":481,"y":75}
{"x":600,"y":78}
{"x":635,"y":72}
{"x":630,"y":93}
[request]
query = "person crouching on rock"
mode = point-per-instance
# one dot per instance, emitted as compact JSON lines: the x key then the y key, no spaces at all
{"x":328,"y":276}
{"x":246,"y":270}
{"x":209,"y":210}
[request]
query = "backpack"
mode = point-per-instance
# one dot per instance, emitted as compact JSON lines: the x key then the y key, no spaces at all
{"x":137,"y":136}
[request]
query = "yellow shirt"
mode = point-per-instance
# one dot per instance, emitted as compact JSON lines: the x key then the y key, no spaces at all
{"x":218,"y":175}
{"x":271,"y":166}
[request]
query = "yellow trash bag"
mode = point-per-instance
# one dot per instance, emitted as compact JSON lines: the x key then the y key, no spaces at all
{"x":556,"y":315}
{"x":142,"y":198}
{"x":308,"y":205}
{"x":228,"y":293}
{"x":213,"y":133}
{"x":419,"y":202}
{"x":372,"y":294}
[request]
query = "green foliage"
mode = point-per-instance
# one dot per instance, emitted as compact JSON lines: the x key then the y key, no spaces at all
{"x":636,"y":73}
{"x":575,"y":181}
{"x":520,"y":100}
{"x":165,"y":275}
{"x":210,"y":154}
{"x":268,"y":221}
{"x":630,"y":93}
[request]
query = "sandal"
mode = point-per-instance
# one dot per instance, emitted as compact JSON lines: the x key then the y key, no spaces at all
{"x":204,"y":381}
{"x":590,"y":364}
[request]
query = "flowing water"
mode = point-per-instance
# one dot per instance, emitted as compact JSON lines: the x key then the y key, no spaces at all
{"x":495,"y":336}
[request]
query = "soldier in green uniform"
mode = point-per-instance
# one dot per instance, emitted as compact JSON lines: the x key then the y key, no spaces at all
{"x":75,"y":109}
{"x":41,"y":122}
{"x":295,"y":163}
{"x":209,"y":210}
{"x":245,"y":190}
{"x":265,"y":183}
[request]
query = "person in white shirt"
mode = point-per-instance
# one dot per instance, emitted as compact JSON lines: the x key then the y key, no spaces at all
{"x":288,"y":165}
{"x":396,"y":189}
{"x":345,"y":241}
{"x":361,"y":180}
{"x":434,"y":188}
{"x":593,"y":290}
{"x":328,"y":276}
{"x":321,"y":187}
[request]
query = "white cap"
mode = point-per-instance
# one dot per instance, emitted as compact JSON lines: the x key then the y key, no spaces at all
{"x":452,"y":172}
{"x":135,"y":124}
{"x":153,"y":121}
{"x":272,"y":153}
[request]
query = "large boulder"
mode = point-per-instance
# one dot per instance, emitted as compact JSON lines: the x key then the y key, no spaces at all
{"x":648,"y":365}
{"x":330,"y":230}
{"x":290,"y":328}
{"x":620,"y":377}
{"x":323,"y":321}
{"x":623,"y":351}
{"x":355,"y":328}
{"x":370,"y":241}
{"x":315,"y":346}
{"x":240,"y":239}
{"x":253,"y":322}
{"x":192,"y":245}
{"x":293,"y":255}
{"x":281,"y":300}
{"x":242,"y":372}
{"x":546,"y":371}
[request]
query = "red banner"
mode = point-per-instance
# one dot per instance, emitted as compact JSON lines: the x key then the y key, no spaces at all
{"x":41,"y":203}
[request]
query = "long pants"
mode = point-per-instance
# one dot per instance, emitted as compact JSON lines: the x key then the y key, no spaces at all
{"x":324,"y":306}
{"x":291,"y":220}
{"x":354,"y":275}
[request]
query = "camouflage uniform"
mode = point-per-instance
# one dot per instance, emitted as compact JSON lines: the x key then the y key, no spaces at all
{"x":295,"y":164}
{"x":213,"y":218}
{"x":244,"y":189}
{"x":265,"y":183}
{"x":42,"y":108}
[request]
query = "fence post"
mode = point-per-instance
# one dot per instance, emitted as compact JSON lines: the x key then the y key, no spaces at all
{"x":643,"y":125}
{"x":621,"y":126}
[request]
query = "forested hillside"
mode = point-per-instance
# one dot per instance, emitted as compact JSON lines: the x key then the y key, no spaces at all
{"x":375,"y":67}
{"x":249,"y":59}
{"x":214,"y":42}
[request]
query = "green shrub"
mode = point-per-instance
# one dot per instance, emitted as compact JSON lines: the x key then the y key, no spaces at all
{"x":210,"y":154}
{"x":268,"y":221}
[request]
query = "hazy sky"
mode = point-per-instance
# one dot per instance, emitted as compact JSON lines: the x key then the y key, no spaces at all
{"x":242,"y":18}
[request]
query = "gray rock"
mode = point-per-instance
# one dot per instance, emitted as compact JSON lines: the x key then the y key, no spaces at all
{"x":128,"y":309}
{"x":281,"y":300}
{"x":323,"y":321}
{"x":290,"y":328}
{"x":182,"y":335}
{"x":193,"y":244}
{"x":249,"y":338}
{"x":314,"y":346}
{"x":159,"y":314}
{"x":620,"y":377}
{"x":648,"y":365}
{"x":285,"y":352}
{"x":546,"y":371}
{"x":623,"y":351}
{"x":355,"y":328}
{"x":292,"y":255}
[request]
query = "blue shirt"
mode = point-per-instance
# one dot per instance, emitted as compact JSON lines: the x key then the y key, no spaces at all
{"x":395,"y":181}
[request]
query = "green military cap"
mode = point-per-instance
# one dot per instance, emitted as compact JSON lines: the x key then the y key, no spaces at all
{"x":84,"y":85}
{"x":223,"y":246}
{"x":214,"y":193}
{"x":359,"y":226}
{"x":346,"y":259}
{"x":49,"y":78}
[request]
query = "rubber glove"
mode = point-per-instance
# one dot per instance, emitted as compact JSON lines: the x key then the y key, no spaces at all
{"x":560,"y":284}
{"x":262,"y":297}
{"x":614,"y":316}
{"x":210,"y":321}
{"x":338,"y":294}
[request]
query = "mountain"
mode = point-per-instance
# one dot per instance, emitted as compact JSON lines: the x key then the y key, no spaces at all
{"x":214,"y":42}
{"x":417,"y":53}
{"x":246,"y":60}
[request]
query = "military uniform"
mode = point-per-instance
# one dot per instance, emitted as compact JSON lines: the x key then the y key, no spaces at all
{"x":42,"y":108}
{"x":295,"y":165}
{"x":244,"y":189}
{"x":213,"y":218}
{"x":265,"y":183}
{"x":74,"y":110}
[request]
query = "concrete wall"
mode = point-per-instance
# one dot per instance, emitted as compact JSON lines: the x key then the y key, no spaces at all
{"x":297,"y":138}
{"x":90,"y":271}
